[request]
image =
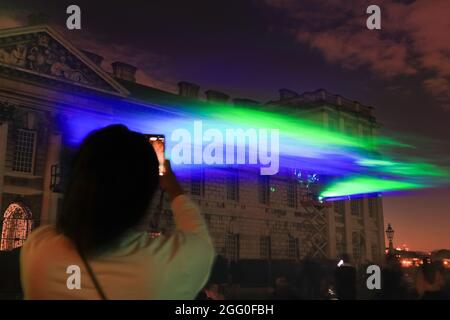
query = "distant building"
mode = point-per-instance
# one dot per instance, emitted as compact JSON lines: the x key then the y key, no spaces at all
{"x":442,"y":255}
{"x":45,"y":82}
{"x":354,"y":226}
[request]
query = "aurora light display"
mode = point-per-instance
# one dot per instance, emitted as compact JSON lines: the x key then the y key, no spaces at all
{"x":344,"y":165}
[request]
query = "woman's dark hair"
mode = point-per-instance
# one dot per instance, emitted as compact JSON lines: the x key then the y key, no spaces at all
{"x":113,"y":179}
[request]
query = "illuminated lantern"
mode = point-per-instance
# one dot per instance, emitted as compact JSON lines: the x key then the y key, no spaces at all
{"x":390,"y":236}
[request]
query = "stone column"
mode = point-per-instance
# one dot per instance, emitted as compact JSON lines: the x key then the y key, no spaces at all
{"x":380,"y":226}
{"x":348,"y":224}
{"x":341,"y":123}
{"x":325,"y":119}
{"x":367,"y":231}
{"x":331,"y":220}
{"x":3,"y":144}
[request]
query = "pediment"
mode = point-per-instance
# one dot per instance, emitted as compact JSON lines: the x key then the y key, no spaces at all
{"x":41,"y":54}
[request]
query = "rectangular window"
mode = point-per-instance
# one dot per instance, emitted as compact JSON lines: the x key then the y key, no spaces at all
{"x":333,"y":123}
{"x":356,"y":207}
{"x":292,"y":194}
{"x":263,"y":189}
{"x":265,"y":247}
{"x":24,"y":151}
{"x":351,"y":127}
{"x":232,"y":246}
{"x":356,"y":244}
{"x":233,"y":185}
{"x":197,"y":182}
{"x":339,"y":207}
{"x":293,"y":248}
{"x":373,"y":207}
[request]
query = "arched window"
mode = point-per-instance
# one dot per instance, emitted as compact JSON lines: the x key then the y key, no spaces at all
{"x":17,"y":224}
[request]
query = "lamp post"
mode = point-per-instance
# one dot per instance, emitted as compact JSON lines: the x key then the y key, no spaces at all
{"x":390,"y":236}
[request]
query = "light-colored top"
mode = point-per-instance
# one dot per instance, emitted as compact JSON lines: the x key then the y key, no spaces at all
{"x":175,"y":266}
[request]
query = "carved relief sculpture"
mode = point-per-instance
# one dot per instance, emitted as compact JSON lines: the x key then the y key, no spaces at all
{"x":42,"y":54}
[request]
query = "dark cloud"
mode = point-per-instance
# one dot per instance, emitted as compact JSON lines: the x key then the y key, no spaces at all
{"x":413,"y":39}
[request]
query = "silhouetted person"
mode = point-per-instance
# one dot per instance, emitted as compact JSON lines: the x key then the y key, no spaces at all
{"x":311,"y":279}
{"x":393,"y":284}
{"x":283,"y":290}
{"x":430,"y":283}
{"x":345,"y":280}
{"x":114,"y":178}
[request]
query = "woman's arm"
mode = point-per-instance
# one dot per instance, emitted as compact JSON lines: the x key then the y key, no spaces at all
{"x":192,"y":250}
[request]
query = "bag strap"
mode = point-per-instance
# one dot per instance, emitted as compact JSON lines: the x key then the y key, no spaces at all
{"x":92,"y":275}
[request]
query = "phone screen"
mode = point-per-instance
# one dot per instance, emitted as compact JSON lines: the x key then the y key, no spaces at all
{"x":158,"y":143}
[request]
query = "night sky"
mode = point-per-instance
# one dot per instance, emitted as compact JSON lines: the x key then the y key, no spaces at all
{"x":252,"y":48}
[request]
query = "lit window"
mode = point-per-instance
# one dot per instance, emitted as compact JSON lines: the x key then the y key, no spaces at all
{"x":17,"y":224}
{"x":24,"y":151}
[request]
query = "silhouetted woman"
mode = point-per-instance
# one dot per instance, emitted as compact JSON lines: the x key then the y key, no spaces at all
{"x":114,"y":178}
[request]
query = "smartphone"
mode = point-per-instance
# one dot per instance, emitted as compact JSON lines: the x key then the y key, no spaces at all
{"x":158,"y":143}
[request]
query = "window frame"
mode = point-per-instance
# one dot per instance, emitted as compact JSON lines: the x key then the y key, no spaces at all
{"x":15,"y":167}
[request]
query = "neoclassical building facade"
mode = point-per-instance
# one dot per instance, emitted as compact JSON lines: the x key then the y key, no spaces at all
{"x":45,"y":82}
